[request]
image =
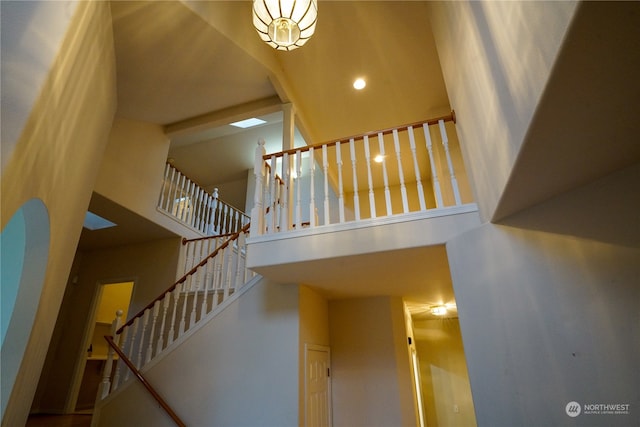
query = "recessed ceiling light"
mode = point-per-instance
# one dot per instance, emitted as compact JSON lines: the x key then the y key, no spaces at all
{"x":248,"y":123}
{"x":379,"y":158}
{"x":359,"y":84}
{"x":96,"y":222}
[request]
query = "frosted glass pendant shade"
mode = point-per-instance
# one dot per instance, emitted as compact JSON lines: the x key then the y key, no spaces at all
{"x":285,"y":24}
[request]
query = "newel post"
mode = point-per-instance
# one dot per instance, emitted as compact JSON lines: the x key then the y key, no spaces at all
{"x":105,"y":385}
{"x":257,"y":213}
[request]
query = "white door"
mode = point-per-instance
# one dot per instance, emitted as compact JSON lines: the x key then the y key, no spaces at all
{"x":317,"y":387}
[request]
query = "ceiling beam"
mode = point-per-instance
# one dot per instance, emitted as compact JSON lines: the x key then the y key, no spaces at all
{"x":224,"y":116}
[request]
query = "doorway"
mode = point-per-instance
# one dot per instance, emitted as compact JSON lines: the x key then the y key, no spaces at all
{"x":317,"y":386}
{"x":111,"y":297}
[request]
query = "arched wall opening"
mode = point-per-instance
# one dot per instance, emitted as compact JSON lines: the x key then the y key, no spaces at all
{"x":24,"y":244}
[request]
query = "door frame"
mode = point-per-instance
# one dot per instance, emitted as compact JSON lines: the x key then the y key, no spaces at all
{"x":81,"y":357}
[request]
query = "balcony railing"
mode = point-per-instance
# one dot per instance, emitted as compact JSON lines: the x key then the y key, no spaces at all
{"x":404,"y":170}
{"x":191,"y":204}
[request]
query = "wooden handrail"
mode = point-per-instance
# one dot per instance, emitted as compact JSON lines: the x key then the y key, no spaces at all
{"x":185,"y":277}
{"x":451,"y":117}
{"x":185,"y":240}
{"x":144,"y":382}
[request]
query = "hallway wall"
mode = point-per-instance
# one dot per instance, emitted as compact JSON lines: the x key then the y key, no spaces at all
{"x":546,"y":320}
{"x":55,"y":160}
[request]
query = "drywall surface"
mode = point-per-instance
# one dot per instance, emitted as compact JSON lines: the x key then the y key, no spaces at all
{"x":55,"y":158}
{"x":446,"y":392}
{"x":371,"y":381}
{"x":240,"y":369}
{"x":496,"y":59}
{"x":547,"y":320}
{"x":132,"y":171}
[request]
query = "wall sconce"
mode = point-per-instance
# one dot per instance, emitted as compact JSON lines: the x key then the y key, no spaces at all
{"x":285,"y":24}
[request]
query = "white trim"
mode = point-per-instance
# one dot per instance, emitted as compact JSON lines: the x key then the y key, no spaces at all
{"x":365,"y":223}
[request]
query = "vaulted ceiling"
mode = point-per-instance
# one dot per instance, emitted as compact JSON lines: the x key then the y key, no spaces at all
{"x":195,"y":66}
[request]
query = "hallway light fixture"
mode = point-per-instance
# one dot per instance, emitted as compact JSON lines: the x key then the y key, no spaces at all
{"x":285,"y":24}
{"x":438,"y":310}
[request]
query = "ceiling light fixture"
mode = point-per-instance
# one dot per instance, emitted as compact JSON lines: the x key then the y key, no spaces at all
{"x":438,"y":310}
{"x":379,"y":158}
{"x":285,"y":24}
{"x":359,"y":84}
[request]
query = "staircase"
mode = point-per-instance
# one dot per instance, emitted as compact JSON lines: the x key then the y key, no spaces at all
{"x":209,"y":285}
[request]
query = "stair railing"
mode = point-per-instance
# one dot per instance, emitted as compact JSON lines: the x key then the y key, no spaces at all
{"x":191,"y":300}
{"x":188,"y":202}
{"x":114,"y":347}
{"x":402,"y":170}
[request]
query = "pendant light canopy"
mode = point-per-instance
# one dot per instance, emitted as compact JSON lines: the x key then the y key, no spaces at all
{"x":285,"y":24}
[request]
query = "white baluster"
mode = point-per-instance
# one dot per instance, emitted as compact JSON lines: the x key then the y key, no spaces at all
{"x":218,"y":277}
{"x":171,"y":190}
{"x":179,"y":182}
{"x":166,"y":301}
{"x":134,"y":334}
{"x":434,"y":170}
{"x":208,"y":273}
{"x":122,"y":341}
{"x":183,"y":198}
{"x":228,"y":271}
{"x":325,"y":171}
{"x":188,"y":214}
{"x":284,"y":213}
{"x":185,"y":296}
{"x":367,"y":157}
{"x":208,"y":225}
{"x":454,"y":182}
{"x":403,"y":188}
{"x":312,"y":201}
{"x":340,"y":184}
{"x":176,"y":296}
{"x":197,"y":277}
{"x":242,"y":270}
{"x":416,"y":167}
{"x":156,"y":310}
{"x":356,"y":197}
{"x":164,"y":186}
{"x":197,"y":206}
{"x":385,"y":176}
{"x":273,"y":190}
{"x":215,"y":221}
{"x":298,"y":183}
{"x":145,"y":322}
{"x":105,"y":386}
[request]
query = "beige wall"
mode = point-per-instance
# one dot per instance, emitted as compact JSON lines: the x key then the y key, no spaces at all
{"x":546,"y":319}
{"x":446,"y":392}
{"x":151,"y":266}
{"x":132,"y":171}
{"x":371,"y":381}
{"x":55,"y":160}
{"x":496,"y":58}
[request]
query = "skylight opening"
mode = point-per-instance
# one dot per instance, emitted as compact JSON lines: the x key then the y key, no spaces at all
{"x":95,"y":222}
{"x":248,"y":123}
